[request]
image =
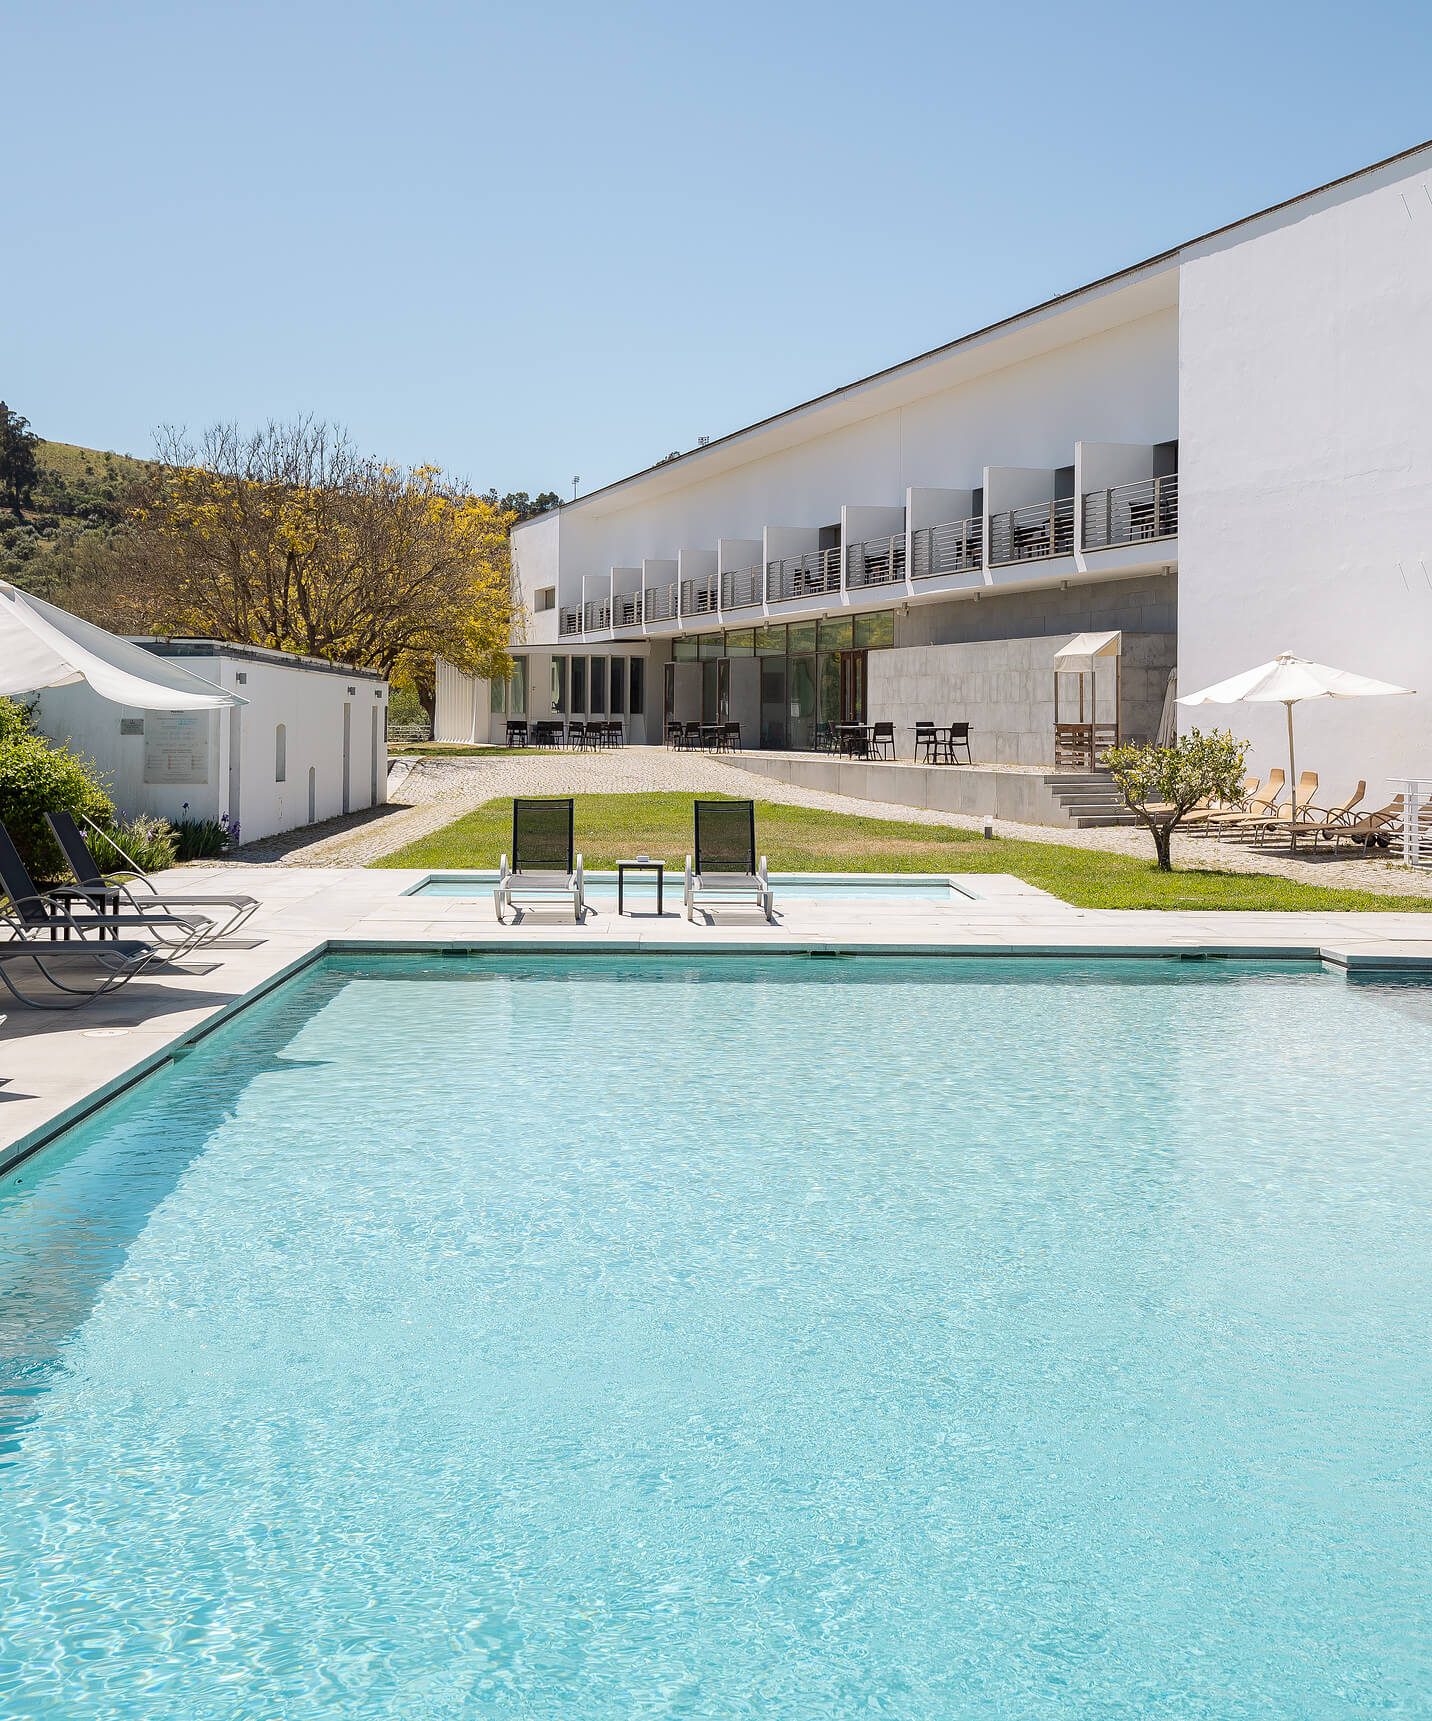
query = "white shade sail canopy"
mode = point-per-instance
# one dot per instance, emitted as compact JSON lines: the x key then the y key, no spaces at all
{"x":41,"y":646}
{"x":1077,"y":658}
{"x":1288,"y":679}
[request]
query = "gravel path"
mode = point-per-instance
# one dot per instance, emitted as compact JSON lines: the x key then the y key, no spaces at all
{"x":434,"y":792}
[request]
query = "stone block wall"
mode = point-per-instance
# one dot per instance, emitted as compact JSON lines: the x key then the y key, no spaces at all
{"x":1004,"y":689}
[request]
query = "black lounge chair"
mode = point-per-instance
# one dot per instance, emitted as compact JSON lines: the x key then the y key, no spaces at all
{"x":105,"y":887}
{"x":725,"y":868}
{"x":543,"y":867}
{"x":64,"y":968}
{"x":73,"y":909}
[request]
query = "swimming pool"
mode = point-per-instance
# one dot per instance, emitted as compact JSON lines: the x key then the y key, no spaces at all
{"x":640,"y":888}
{"x":730,"y":1337}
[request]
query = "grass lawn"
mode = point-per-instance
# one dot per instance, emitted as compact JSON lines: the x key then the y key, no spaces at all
{"x":809,"y":839}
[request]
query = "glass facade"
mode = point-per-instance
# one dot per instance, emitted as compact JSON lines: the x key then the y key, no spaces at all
{"x":811,"y":675}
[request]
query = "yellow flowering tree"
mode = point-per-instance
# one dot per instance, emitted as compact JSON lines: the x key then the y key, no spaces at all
{"x":289,"y":538}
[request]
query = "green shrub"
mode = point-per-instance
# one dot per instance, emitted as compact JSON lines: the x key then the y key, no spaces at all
{"x":202,"y":839}
{"x":36,"y":778}
{"x":151,"y":843}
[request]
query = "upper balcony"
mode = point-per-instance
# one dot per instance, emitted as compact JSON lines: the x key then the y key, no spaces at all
{"x":1030,"y":534}
{"x":1131,"y":513}
{"x":813,"y":575}
{"x":957,"y":547}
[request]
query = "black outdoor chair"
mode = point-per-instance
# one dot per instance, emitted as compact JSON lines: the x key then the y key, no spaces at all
{"x":882,"y":741}
{"x":691,"y":737}
{"x":725,"y":868}
{"x":73,"y":908}
{"x":927,"y":744}
{"x":957,"y":735}
{"x":112,"y":890}
{"x":616,"y":733}
{"x":730,"y":737}
{"x":516,"y":732}
{"x":543,"y":866}
{"x":577,"y":736}
{"x":77,"y":970}
{"x":675,"y":734}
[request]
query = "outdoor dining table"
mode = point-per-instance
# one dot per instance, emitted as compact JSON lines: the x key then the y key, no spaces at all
{"x":854,"y":739}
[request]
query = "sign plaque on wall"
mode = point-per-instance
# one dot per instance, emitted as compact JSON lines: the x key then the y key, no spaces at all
{"x":176,"y":747}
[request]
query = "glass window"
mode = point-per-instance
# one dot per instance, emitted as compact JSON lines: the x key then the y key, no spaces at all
{"x":598,"y":704}
{"x":801,"y":729}
{"x":559,"y":684}
{"x":875,"y":632}
{"x":517,"y":697}
{"x":835,"y":635}
{"x":771,"y":641}
{"x":499,"y":694}
{"x":280,"y":753}
{"x":708,"y":646}
{"x":802,"y":636}
{"x":637,"y":704}
{"x":579,"y":684}
{"x":741,"y":643}
{"x":618,"y":686}
{"x":683,"y":650}
{"x":830,"y":711}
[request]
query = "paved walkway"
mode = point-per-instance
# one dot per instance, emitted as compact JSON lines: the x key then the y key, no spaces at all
{"x":56,"y":1066}
{"x":437,"y":791}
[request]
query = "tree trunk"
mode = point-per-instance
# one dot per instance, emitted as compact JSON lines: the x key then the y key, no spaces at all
{"x":1163,"y":838}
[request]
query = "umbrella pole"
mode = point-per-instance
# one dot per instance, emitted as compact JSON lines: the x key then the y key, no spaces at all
{"x":1293,"y":779}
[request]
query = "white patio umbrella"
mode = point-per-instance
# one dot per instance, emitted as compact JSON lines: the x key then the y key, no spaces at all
{"x":1286,"y":681}
{"x":41,"y":646}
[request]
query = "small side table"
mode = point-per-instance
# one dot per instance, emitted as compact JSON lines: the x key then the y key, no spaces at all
{"x":626,"y":866}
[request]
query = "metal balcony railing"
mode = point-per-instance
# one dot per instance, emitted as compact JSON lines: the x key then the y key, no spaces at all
{"x":952,"y":548}
{"x":1027,"y":534}
{"x":878,"y":562}
{"x":741,"y":587}
{"x":808,"y":576}
{"x":660,"y":603}
{"x":596,"y":617}
{"x":569,"y":621}
{"x":1127,"y":513}
{"x":626,"y":610}
{"x":699,"y":597}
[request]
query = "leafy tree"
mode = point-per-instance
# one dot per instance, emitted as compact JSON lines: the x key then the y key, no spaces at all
{"x":291,"y":539}
{"x":520,"y":505}
{"x":19,"y":469}
{"x":1161,"y":784}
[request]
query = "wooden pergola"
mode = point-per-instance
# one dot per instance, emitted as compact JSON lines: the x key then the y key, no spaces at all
{"x":1078,"y":745}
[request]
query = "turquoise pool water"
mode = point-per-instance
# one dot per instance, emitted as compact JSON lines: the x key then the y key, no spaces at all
{"x":640,"y":888}
{"x":780,"y":1338}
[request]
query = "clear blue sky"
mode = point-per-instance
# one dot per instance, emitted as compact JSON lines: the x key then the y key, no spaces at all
{"x":534,"y":240}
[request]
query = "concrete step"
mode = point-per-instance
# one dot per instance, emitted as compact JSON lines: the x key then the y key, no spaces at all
{"x":1097,"y":821}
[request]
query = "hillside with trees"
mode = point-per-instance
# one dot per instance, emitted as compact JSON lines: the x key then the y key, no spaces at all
{"x":288,"y":537}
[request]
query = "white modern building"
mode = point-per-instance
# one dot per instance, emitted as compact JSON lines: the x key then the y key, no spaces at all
{"x":1221,"y":453}
{"x":309,"y":743}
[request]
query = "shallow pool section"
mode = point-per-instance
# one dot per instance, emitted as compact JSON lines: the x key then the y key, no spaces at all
{"x":788,"y":1338}
{"x":640,"y":888}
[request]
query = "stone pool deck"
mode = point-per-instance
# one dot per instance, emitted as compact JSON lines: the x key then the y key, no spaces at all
{"x":56,"y":1066}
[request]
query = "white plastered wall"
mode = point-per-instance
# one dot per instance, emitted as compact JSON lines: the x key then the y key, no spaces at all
{"x":1305,"y":459}
{"x":307,"y":702}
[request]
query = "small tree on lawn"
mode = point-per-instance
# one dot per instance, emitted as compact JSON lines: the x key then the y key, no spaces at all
{"x":1160,"y":784}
